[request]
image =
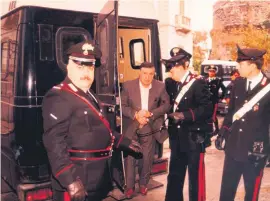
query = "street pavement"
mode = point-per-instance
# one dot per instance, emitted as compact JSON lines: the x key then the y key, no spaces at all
{"x":214,"y":166}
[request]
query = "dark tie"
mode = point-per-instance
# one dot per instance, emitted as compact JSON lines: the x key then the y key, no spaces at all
{"x":179,"y":85}
{"x":249,"y":87}
{"x":93,"y":101}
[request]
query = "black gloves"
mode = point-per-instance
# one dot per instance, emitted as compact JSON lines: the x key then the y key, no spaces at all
{"x":76,"y":191}
{"x":135,"y":146}
{"x":177,"y":116}
{"x":220,"y":142}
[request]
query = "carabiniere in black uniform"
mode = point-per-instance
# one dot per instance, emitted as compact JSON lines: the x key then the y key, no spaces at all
{"x":187,"y":136}
{"x":247,"y":136}
{"x":214,"y":84}
{"x":78,"y":139}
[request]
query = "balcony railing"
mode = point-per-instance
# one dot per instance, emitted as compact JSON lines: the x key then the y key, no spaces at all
{"x":182,"y":23}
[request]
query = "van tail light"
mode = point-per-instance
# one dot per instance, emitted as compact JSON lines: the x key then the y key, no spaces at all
{"x":39,"y":195}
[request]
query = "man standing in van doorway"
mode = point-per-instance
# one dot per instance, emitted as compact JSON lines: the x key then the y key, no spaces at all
{"x":215,"y":84}
{"x":188,"y":127}
{"x":144,"y":104}
{"x":77,"y":135}
{"x":245,"y":131}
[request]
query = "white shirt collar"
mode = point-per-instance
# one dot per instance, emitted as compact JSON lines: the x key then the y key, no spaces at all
{"x":255,"y":80}
{"x":184,"y":77}
{"x":141,"y":86}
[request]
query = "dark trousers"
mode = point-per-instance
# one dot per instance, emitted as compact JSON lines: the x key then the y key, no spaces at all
{"x":92,"y":196}
{"x":179,"y":162}
{"x":232,"y":172}
{"x":145,"y":164}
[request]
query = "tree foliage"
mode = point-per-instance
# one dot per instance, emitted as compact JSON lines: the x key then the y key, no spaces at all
{"x":245,"y":36}
{"x":199,"y":39}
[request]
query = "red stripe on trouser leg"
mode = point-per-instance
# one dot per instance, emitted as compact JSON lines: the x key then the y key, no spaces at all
{"x":201,"y":179}
{"x":66,"y":196}
{"x":215,"y":112}
{"x":257,"y":186}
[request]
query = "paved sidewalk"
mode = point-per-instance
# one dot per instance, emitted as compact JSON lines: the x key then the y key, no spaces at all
{"x":214,"y":165}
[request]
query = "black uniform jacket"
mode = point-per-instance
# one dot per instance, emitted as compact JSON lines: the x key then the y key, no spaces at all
{"x":229,"y":89}
{"x":214,"y":85}
{"x":253,"y":126}
{"x":171,"y":88}
{"x":69,"y":123}
{"x":197,"y":109}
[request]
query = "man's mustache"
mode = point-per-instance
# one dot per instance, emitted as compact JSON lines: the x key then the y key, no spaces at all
{"x":85,"y":78}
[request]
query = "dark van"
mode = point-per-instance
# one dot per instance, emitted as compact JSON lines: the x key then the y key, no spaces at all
{"x":33,"y":45}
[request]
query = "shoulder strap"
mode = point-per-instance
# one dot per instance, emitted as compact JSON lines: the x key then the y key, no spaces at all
{"x":183,"y":91}
{"x":248,"y":106}
{"x":67,"y":88}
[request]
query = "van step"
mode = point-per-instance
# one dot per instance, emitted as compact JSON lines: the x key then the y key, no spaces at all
{"x":160,"y":166}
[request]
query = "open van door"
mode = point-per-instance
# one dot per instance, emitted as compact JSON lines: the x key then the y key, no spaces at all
{"x":107,"y":85}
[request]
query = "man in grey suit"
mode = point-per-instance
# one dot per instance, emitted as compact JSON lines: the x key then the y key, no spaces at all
{"x":144,"y":103}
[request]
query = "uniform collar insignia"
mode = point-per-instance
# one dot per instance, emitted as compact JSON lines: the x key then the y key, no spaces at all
{"x":264,"y":81}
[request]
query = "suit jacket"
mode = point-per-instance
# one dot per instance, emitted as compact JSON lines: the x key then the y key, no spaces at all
{"x":158,"y":104}
{"x":69,"y":123}
{"x":197,"y":109}
{"x":252,"y":127}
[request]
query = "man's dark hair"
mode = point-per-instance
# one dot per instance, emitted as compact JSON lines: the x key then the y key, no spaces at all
{"x":181,"y":63}
{"x":258,"y":62}
{"x":147,"y":64}
{"x":234,"y":71}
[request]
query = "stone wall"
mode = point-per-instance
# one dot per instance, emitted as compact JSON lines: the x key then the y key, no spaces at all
{"x":234,"y":14}
{"x":231,"y":13}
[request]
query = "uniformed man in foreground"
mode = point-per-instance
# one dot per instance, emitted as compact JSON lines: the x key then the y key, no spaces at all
{"x":77,"y":135}
{"x":215,"y":84}
{"x":244,"y":133}
{"x":187,"y":129}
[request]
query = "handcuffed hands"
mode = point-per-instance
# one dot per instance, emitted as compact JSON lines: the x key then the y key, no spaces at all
{"x":76,"y":191}
{"x":176,"y":116}
{"x":143,"y":116}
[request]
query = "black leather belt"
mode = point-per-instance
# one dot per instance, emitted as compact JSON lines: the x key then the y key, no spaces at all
{"x":89,"y":155}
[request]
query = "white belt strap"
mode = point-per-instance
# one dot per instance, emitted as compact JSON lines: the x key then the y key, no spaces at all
{"x":248,"y":106}
{"x":182,"y":93}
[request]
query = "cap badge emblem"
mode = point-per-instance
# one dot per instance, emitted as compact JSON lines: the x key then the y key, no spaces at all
{"x":175,"y":51}
{"x":87,"y":47}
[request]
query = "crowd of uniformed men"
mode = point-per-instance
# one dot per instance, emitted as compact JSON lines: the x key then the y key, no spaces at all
{"x":80,"y":142}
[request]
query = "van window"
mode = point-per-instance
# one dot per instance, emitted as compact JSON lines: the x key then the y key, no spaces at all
{"x":65,"y":38}
{"x":137,"y":53}
{"x":8,"y":54}
{"x":103,"y":36}
{"x":46,"y":43}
